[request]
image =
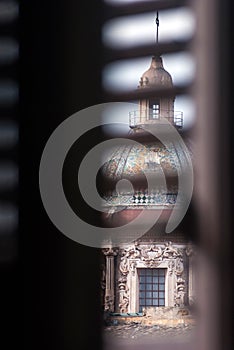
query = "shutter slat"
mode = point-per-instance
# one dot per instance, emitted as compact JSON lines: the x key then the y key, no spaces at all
{"x":145,"y":50}
{"x":143,"y":7}
{"x":140,"y":94}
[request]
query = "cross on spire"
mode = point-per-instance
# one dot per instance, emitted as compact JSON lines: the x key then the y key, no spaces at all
{"x":157,"y":24}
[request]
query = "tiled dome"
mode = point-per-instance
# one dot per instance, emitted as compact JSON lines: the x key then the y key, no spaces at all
{"x":133,"y":161}
{"x":136,"y":163}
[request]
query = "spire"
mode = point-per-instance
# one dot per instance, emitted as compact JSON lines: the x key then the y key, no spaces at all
{"x":157,"y":24}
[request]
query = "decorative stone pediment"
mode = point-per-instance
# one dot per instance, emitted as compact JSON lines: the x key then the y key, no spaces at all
{"x":151,"y":254}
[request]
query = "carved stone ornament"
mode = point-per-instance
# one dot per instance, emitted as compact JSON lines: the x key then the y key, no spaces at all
{"x":150,"y":255}
{"x":109,"y":303}
{"x":124,"y":301}
{"x":180,"y":288}
{"x":171,"y":267}
{"x":123,"y":266}
{"x":132,"y":268}
{"x":180,"y":292}
{"x":122,"y":282}
{"x":190,"y":250}
{"x":171,"y":252}
{"x":179,"y":266}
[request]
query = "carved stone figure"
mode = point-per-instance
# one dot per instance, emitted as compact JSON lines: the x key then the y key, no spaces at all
{"x":132,"y":252}
{"x":133,"y":267}
{"x":179,"y":268}
{"x":123,"y":266}
{"x":170,"y":251}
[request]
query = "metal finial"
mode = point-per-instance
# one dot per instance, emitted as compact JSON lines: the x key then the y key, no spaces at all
{"x":157,"y":24}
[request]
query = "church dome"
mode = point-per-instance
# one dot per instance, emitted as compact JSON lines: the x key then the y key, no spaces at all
{"x":156,"y":75}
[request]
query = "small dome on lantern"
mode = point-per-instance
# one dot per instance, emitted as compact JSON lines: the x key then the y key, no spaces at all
{"x":156,"y":75}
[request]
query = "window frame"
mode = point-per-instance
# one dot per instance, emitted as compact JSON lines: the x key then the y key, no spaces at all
{"x":156,"y":285}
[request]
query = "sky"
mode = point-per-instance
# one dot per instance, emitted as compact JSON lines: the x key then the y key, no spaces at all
{"x":125,"y":32}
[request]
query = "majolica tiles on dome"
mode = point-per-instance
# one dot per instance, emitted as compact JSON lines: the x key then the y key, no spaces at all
{"x":135,"y":160}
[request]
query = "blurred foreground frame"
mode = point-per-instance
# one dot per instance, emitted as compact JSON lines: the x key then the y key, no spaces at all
{"x":213,"y":95}
{"x":61,"y":305}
